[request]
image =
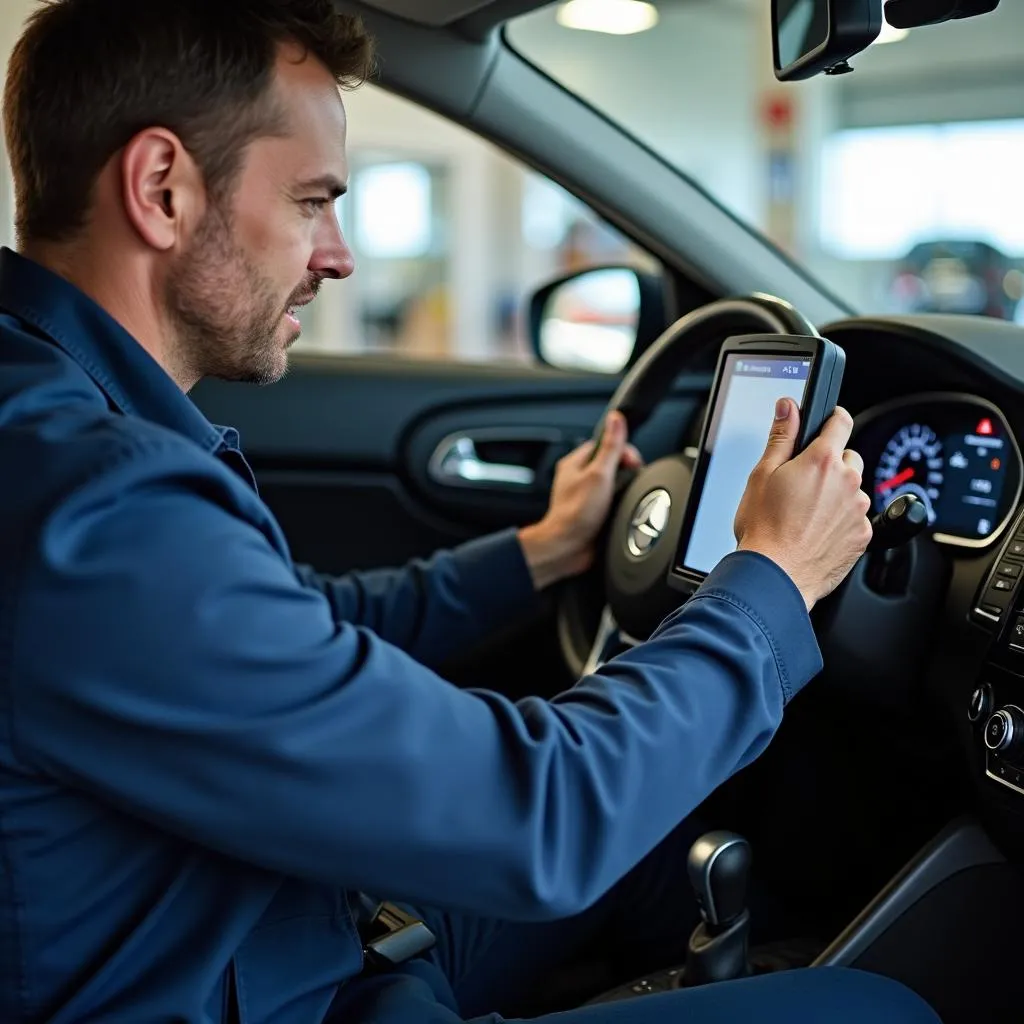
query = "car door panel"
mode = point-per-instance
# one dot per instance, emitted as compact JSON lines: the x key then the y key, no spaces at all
{"x":358,"y":409}
{"x":343,"y":450}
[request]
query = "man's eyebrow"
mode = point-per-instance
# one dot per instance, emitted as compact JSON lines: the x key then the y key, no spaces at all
{"x":328,"y":183}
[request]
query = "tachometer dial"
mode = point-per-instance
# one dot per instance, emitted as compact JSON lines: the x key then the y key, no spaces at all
{"x":912,"y":463}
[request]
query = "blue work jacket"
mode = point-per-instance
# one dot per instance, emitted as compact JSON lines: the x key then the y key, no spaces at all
{"x":206,"y":749}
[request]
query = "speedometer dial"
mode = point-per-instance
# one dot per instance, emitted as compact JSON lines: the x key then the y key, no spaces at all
{"x":956,"y":453}
{"x":912,"y":463}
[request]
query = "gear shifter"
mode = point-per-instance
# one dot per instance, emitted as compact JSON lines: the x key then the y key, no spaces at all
{"x":719,"y":868}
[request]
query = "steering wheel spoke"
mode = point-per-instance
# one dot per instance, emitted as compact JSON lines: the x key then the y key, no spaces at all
{"x":609,"y":641}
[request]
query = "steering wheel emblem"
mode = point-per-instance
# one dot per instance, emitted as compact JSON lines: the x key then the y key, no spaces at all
{"x":648,"y":522}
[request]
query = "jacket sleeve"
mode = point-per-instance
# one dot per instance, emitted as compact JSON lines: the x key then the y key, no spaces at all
{"x":200,"y":687}
{"x":434,"y":609}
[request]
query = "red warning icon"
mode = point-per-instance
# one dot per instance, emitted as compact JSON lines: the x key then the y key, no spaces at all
{"x":985,"y":428}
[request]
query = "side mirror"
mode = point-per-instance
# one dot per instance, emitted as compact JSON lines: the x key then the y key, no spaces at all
{"x":814,"y":36}
{"x":596,"y":319}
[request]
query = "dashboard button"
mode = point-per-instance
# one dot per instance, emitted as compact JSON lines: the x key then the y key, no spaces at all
{"x":1009,"y":569}
{"x":1017,"y":635}
{"x":991,"y":609}
{"x":1016,"y":548}
{"x":1003,"y":584}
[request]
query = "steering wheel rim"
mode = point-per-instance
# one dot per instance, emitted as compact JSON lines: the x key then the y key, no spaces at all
{"x":644,"y":386}
{"x":651,"y":377}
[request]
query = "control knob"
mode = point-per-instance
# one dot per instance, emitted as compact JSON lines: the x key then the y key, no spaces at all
{"x":1004,"y":732}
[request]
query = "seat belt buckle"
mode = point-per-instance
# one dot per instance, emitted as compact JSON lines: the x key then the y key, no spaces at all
{"x":392,"y":937}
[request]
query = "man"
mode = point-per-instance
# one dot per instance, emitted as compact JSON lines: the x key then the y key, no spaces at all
{"x":207,"y":752}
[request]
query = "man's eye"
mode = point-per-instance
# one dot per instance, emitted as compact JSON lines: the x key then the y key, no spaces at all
{"x":317,"y":204}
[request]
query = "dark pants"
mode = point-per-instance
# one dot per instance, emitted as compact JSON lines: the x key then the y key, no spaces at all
{"x":482,"y":967}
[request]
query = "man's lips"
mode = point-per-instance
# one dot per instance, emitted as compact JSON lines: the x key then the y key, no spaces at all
{"x":291,"y":311}
{"x":291,"y":314}
{"x":293,"y":307}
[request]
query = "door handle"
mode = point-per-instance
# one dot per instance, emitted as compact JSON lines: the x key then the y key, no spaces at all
{"x":457,"y":461}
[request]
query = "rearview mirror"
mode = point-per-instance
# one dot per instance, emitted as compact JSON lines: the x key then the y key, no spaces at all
{"x":811,"y":37}
{"x":594,"y":319}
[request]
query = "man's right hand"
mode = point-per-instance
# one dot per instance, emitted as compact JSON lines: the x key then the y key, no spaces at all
{"x":807,"y":514}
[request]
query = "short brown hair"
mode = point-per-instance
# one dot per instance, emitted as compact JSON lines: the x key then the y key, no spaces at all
{"x":88,"y":75}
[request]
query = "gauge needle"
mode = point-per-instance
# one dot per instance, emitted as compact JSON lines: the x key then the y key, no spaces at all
{"x":899,"y":478}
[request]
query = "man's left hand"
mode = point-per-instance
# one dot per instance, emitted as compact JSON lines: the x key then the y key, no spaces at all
{"x":562,"y":543}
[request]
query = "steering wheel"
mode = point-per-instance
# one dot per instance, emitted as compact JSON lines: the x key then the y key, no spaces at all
{"x":625,"y":596}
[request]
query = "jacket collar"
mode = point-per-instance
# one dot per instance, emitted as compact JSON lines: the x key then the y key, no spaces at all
{"x":134,"y":383}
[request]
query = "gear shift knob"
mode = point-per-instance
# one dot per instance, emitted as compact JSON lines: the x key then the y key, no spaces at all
{"x":719,"y":868}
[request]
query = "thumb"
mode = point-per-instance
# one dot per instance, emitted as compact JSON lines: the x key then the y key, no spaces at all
{"x":613,"y":442}
{"x":782,"y":439}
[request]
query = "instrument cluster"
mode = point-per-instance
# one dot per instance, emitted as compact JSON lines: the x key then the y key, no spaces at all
{"x":954,"y":452}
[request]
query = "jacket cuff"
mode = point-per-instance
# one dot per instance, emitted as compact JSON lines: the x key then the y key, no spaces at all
{"x":496,"y":580}
{"x":770,"y":598}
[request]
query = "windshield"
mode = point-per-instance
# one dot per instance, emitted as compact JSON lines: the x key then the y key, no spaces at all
{"x":900,"y":186}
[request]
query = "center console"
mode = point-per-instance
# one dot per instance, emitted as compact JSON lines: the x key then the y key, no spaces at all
{"x":996,"y":707}
{"x":946,"y":926}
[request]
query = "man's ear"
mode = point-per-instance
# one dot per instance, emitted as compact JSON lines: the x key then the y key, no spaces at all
{"x":162,"y":188}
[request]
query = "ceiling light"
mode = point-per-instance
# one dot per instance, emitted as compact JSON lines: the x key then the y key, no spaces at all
{"x":890,"y":34}
{"x":615,"y":17}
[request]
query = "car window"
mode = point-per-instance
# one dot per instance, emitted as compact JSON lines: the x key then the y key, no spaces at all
{"x":897,"y":185}
{"x":450,"y":237}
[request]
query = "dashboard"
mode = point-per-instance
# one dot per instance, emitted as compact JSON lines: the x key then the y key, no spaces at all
{"x":955,"y":452}
{"x":934,"y":632}
{"x":919,"y":714}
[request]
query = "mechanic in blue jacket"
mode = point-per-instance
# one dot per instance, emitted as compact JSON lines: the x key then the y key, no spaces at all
{"x":207,"y":753}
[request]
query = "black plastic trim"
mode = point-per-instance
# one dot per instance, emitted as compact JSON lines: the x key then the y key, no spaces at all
{"x":960,"y":846}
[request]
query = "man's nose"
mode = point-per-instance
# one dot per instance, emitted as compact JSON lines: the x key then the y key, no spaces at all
{"x":332,"y":257}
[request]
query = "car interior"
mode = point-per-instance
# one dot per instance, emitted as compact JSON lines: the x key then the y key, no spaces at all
{"x":886,"y":820}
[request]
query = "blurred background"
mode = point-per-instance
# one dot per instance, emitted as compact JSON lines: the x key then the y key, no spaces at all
{"x":900,"y":186}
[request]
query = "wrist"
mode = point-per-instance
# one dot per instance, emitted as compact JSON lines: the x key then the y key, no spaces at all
{"x":782,"y":562}
{"x":551,"y":555}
